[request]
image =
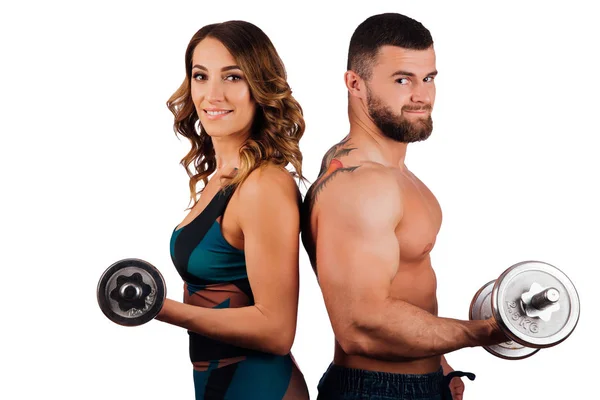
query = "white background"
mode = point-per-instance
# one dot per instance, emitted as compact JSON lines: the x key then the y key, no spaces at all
{"x":90,"y":175}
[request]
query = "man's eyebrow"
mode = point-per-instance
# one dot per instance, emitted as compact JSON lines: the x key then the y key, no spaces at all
{"x":411,"y":74}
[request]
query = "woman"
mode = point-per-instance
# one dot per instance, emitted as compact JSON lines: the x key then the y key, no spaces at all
{"x":237,"y":249}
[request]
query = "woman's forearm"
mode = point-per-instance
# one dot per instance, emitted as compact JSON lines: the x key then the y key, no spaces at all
{"x":251,"y":327}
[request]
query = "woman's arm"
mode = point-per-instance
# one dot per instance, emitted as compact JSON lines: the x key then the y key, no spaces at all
{"x":269,"y":219}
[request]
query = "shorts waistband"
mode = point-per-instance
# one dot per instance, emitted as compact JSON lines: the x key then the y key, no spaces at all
{"x":345,"y":380}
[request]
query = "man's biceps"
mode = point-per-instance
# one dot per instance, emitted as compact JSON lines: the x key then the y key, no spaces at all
{"x":350,"y":273}
{"x":346,"y":232}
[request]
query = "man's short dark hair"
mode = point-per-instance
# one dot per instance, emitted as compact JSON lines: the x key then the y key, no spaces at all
{"x":390,"y":29}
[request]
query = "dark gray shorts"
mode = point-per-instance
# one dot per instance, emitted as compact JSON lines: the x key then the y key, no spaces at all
{"x":339,"y":383}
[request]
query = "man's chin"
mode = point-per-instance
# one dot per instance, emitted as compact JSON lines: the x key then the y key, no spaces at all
{"x":408,"y":137}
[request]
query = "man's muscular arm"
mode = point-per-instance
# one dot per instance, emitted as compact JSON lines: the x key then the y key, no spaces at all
{"x":357,"y":257}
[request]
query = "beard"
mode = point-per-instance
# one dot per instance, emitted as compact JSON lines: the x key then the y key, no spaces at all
{"x":397,"y":127}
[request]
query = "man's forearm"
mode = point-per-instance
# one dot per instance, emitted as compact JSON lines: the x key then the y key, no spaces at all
{"x":402,"y":331}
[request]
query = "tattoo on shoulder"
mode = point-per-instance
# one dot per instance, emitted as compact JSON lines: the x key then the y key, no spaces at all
{"x":337,"y":151}
{"x":330,"y":167}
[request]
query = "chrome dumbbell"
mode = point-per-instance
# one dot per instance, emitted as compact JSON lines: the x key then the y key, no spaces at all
{"x":535,"y":304}
{"x":131,"y":292}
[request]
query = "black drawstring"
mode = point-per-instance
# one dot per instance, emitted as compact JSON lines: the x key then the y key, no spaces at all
{"x":448,"y":378}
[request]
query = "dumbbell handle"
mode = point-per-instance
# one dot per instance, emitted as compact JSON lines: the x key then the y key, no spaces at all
{"x":545,"y":298}
{"x":130,"y":291}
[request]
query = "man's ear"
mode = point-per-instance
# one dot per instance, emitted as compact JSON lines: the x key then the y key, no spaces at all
{"x":355,"y":84}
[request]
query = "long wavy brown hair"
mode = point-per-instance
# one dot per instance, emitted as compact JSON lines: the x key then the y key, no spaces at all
{"x":278,"y":123}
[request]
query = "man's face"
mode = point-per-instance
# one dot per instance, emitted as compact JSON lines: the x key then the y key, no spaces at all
{"x":401,"y":93}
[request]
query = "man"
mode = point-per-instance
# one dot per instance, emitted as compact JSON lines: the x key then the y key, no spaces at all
{"x":369,"y":226}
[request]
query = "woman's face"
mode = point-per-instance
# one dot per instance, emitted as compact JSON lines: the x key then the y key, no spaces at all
{"x":220,"y":91}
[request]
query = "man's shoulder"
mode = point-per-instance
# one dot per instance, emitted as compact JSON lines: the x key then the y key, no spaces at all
{"x":346,"y":183}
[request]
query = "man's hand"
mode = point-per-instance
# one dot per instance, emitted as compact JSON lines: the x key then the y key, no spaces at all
{"x":457,"y":387}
